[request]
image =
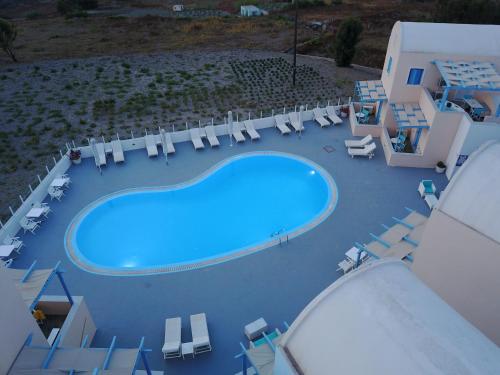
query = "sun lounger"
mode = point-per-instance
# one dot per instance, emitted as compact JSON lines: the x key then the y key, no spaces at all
{"x":116,"y":147}
{"x":101,"y":153}
{"x":281,"y":121}
{"x":368,"y":150}
{"x":196,"y":138}
{"x":29,"y":225}
{"x":212,"y":138}
{"x":172,"y":345}
{"x":250,"y":129}
{"x":331,"y":114}
{"x":151,"y":146}
{"x":351,"y":143}
{"x":167,"y":144}
{"x":199,"y":330}
{"x":294,"y":121}
{"x":237,"y":134}
{"x":320,"y":118}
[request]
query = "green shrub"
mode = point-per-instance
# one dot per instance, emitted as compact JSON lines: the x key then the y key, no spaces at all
{"x":348,"y":35}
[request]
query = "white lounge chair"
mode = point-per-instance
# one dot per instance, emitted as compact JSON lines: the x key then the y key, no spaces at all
{"x":55,"y":193}
{"x":44,"y":206}
{"x":352,"y":143}
{"x":212,"y":138}
{"x":237,"y":134}
{"x":167,"y":144}
{"x":368,"y":150}
{"x":199,"y":330}
{"x":294,"y":121}
{"x":320,"y":118}
{"x":172,"y":346}
{"x":151,"y":146}
{"x":281,"y":121}
{"x":250,"y":128}
{"x":331,"y":114}
{"x":14,"y":241}
{"x":29,"y":225}
{"x":116,"y":147}
{"x":196,"y":138}
{"x":101,"y":153}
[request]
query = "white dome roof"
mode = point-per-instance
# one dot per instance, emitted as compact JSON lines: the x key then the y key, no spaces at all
{"x":381,"y":319}
{"x":473,"y":195}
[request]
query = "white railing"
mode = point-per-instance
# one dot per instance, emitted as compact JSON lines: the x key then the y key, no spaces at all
{"x":12,"y":226}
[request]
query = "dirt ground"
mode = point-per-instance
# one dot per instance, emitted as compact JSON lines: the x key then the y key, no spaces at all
{"x":43,"y":34}
{"x":43,"y":105}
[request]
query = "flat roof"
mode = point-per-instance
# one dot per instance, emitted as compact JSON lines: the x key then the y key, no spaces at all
{"x":449,"y":38}
{"x":381,"y":319}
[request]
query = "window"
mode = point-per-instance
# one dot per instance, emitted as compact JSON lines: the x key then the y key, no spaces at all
{"x":389,"y":65}
{"x":415,"y":76}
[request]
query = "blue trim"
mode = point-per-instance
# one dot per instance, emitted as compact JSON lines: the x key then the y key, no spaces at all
{"x":51,"y":353}
{"x":443,"y":99}
{"x":363,"y":247}
{"x":415,"y":76}
{"x":244,"y":354}
{"x":269,"y":342}
{"x":109,"y":354}
{"x":389,"y":65}
{"x":498,"y":111}
{"x":402,"y":222}
{"x":409,"y":240}
{"x":63,"y":284}
{"x":380,"y":240}
{"x":84,"y":341}
{"x":29,"y":271}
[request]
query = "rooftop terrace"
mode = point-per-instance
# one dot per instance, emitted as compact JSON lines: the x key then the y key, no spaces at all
{"x":275,"y":283}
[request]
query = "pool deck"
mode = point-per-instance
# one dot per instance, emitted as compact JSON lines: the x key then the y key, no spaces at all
{"x":275,"y":283}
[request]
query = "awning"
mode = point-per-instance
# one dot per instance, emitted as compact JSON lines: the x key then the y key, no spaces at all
{"x":465,"y":75}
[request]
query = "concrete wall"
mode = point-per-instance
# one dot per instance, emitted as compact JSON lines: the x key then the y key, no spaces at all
{"x":78,"y":322}
{"x":461,"y":265}
{"x":362,"y":130}
{"x":16,"y":323}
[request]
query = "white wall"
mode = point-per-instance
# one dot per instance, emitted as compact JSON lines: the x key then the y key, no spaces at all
{"x":16,"y":323}
{"x":78,"y":322}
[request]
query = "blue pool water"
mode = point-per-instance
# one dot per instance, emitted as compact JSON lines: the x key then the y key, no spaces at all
{"x":230,"y":210}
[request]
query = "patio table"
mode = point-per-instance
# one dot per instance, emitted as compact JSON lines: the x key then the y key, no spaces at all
{"x":34,"y":213}
{"x":6,"y":250}
{"x":352,"y":254}
{"x":58,"y":182}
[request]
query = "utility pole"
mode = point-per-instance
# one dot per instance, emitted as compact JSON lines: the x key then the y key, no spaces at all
{"x":295,"y":42}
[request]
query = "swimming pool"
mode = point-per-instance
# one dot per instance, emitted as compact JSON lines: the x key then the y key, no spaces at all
{"x":241,"y":205}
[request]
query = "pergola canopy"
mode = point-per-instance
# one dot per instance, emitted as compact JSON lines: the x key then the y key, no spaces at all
{"x":370,"y":91}
{"x":467,"y":75}
{"x":409,"y":115}
{"x":32,"y":283}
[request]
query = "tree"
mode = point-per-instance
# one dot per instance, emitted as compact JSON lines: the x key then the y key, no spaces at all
{"x":8,"y":34}
{"x":348,"y":35}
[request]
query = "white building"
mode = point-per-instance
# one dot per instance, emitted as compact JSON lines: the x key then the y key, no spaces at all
{"x":424,"y":63}
{"x":381,"y":319}
{"x":459,"y":253}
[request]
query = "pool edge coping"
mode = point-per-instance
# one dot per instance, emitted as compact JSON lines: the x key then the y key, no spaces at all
{"x":88,"y":266}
